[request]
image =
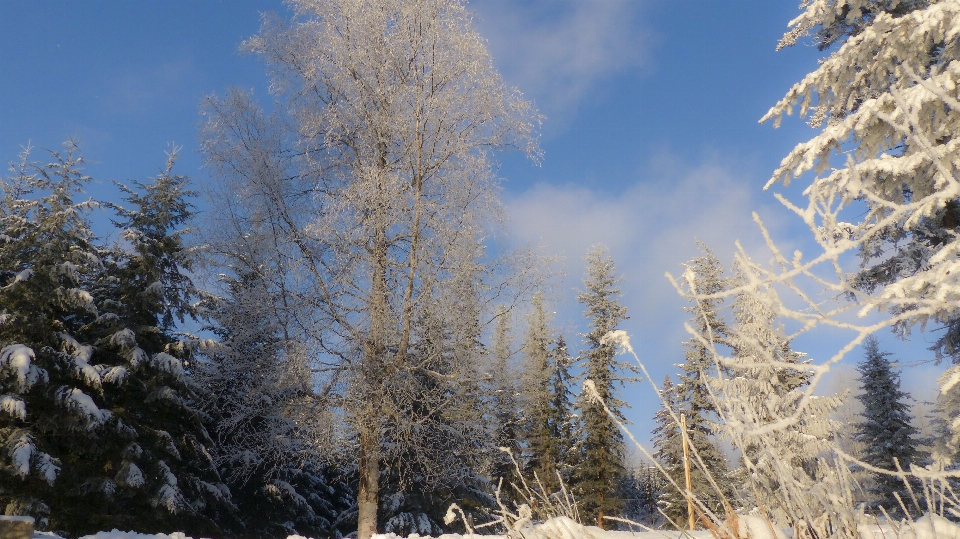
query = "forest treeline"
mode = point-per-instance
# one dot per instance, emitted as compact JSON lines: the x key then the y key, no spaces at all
{"x":336,"y":346}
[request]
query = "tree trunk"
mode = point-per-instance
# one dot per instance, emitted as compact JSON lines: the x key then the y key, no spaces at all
{"x":368,"y":498}
{"x":601,"y":498}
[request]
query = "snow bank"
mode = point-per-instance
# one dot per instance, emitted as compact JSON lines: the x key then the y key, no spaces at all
{"x":117,"y":534}
{"x":565,"y":528}
{"x":926,"y":527}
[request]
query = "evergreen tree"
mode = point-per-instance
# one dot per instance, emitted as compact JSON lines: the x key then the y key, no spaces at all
{"x":700,"y":365}
{"x":600,"y":469}
{"x":765,"y":382}
{"x":668,"y":450}
{"x":560,"y":417}
{"x":101,"y":425}
{"x":536,"y":396}
{"x":947,"y":433}
{"x":437,"y":448}
{"x":642,"y":489}
{"x":47,"y":262}
{"x":258,"y":397}
{"x":886,"y":428}
{"x":504,"y":417}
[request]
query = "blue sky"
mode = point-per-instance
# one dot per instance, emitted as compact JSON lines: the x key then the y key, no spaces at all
{"x":650,"y":138}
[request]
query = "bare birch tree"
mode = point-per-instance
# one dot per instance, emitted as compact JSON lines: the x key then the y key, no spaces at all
{"x":376,"y":180}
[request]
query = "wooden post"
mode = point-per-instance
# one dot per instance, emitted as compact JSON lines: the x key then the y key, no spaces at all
{"x":686,"y":471}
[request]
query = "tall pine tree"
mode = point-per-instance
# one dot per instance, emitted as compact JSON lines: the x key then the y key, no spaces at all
{"x":668,"y":450}
{"x":700,"y":365}
{"x":560,"y":416}
{"x":765,"y":382}
{"x":536,"y":395}
{"x":504,"y":416}
{"x":600,"y":469}
{"x":886,"y":429}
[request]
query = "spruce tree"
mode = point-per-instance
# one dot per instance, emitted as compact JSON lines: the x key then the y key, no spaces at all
{"x":642,"y":489}
{"x":886,"y":429}
{"x":536,"y":396}
{"x":764,"y":382}
{"x":693,"y":394}
{"x":503,"y":404}
{"x":947,"y":432}
{"x":560,"y":415}
{"x":261,"y":405}
{"x":437,"y":448}
{"x":668,"y":450}
{"x":50,"y":427}
{"x":600,"y":469}
{"x":107,"y":434}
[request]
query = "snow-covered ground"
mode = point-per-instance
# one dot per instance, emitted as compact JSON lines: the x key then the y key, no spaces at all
{"x":927,"y":527}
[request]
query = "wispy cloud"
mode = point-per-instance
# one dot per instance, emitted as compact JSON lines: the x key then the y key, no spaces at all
{"x":650,"y":228}
{"x":150,"y":87}
{"x":560,"y":52}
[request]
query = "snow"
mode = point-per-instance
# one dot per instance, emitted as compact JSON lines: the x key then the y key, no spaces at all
{"x":926,"y":527}
{"x":136,"y":356}
{"x":125,"y":338}
{"x":565,"y":528}
{"x":81,"y":402}
{"x":48,"y":467}
{"x":117,"y":534}
{"x":20,"y":453}
{"x":13,"y":406}
{"x":115,"y":375}
{"x":168,"y":363}
{"x":931,"y":527}
{"x":81,"y":359}
{"x":23,"y":276}
{"x":130,"y":475}
{"x":949,"y":380}
{"x":19,"y":357}
{"x":9,"y":518}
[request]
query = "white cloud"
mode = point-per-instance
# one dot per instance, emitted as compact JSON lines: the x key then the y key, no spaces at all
{"x":650,"y":228}
{"x":559,"y":52}
{"x":145,"y":88}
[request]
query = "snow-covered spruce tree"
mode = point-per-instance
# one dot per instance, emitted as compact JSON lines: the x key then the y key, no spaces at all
{"x":763,"y":382}
{"x":560,"y":418}
{"x":441,"y":408}
{"x":886,"y":98}
{"x":142,"y":295}
{"x":377,"y":175}
{"x":47,"y":261}
{"x":947,"y":433}
{"x":642,"y":490}
{"x":886,"y":428}
{"x":668,"y":451}
{"x":503,"y":401}
{"x":257,"y":392}
{"x":944,"y":443}
{"x":536,"y":397}
{"x":600,"y":466}
{"x":99,"y":429}
{"x":694,"y":400}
